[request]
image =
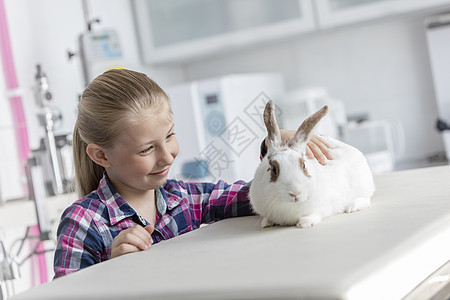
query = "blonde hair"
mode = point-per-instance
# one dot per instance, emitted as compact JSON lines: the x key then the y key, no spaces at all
{"x":107,"y":106}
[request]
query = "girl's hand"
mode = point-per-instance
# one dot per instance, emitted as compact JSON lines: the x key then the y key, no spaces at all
{"x":316,"y":147}
{"x":133,"y":239}
{"x":319,"y":149}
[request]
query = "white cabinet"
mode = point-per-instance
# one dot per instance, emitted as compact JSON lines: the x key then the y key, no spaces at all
{"x":180,"y":30}
{"x":333,"y":13}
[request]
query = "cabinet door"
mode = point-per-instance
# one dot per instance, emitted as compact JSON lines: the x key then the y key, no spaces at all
{"x":340,"y":12}
{"x":179,"y":30}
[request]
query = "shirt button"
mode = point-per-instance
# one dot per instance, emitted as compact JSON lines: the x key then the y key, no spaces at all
{"x":142,"y":220}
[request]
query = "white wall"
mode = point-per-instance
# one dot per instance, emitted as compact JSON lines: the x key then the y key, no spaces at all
{"x":41,"y":34}
{"x":381,"y":68}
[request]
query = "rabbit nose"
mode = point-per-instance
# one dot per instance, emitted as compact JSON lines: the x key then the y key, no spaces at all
{"x":294,"y":195}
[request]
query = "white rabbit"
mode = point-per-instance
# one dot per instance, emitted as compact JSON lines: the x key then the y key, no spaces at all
{"x":290,"y":189}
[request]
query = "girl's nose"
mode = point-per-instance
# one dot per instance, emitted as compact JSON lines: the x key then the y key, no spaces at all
{"x":166,"y":157}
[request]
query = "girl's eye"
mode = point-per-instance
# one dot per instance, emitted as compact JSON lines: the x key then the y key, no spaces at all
{"x":145,"y":151}
{"x":170,"y":135}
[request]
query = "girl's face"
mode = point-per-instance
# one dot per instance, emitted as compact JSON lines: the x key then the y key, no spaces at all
{"x":143,"y":153}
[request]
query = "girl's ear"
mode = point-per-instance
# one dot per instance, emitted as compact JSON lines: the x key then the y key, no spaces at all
{"x":97,"y":154}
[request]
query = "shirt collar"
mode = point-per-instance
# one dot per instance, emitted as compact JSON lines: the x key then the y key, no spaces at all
{"x":161,"y":204}
{"x":173,"y":192}
{"x":119,"y":209}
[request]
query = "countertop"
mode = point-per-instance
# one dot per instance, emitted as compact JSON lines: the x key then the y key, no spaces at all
{"x":382,"y":252}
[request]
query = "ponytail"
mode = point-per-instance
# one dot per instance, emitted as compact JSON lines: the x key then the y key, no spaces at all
{"x":87,"y":173}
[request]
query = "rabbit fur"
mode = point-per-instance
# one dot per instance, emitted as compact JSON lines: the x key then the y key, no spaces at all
{"x":290,"y":189}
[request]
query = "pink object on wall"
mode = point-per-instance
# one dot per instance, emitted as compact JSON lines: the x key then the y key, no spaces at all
{"x":19,"y":121}
{"x":11,"y":85}
{"x":38,"y":262}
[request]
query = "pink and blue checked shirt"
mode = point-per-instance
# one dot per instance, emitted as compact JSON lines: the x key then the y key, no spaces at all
{"x":88,"y":227}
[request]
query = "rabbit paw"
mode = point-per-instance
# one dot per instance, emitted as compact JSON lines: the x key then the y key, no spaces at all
{"x":358,"y":204}
{"x":308,"y":221}
{"x":266,"y":223}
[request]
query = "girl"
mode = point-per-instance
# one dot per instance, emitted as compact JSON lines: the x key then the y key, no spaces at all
{"x":124,"y":144}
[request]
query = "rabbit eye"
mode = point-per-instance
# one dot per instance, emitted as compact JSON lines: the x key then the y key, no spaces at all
{"x":274,"y":170}
{"x":302,"y":164}
{"x":303,"y":167}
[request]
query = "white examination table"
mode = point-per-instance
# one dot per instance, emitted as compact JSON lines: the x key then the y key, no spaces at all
{"x":383,"y":252}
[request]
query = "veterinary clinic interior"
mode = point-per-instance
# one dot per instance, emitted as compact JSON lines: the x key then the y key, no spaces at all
{"x":381,"y":66}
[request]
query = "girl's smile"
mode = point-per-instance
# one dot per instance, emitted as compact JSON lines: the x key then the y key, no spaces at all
{"x":162,"y":173}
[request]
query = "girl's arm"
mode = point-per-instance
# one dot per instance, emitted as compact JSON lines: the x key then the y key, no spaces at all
{"x":79,"y":244}
{"x":221,"y":200}
{"x":191,"y":204}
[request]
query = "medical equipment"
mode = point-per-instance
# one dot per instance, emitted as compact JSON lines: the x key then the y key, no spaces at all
{"x":381,"y":141}
{"x":302,"y":102}
{"x":49,"y":170}
{"x":48,"y":116}
{"x":55,"y":151}
{"x":9,"y":271}
{"x":219,"y":125}
{"x":12,"y":259}
{"x":99,"y":50}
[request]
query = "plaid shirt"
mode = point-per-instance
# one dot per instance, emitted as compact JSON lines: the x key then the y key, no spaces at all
{"x":88,"y":227}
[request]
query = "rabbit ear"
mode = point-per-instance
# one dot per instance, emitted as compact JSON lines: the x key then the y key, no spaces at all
{"x":271,"y":124}
{"x":304,"y":131}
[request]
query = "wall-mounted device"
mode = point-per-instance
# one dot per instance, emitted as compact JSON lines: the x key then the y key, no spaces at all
{"x":219,"y":125}
{"x":99,"y":50}
{"x":381,"y":141}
